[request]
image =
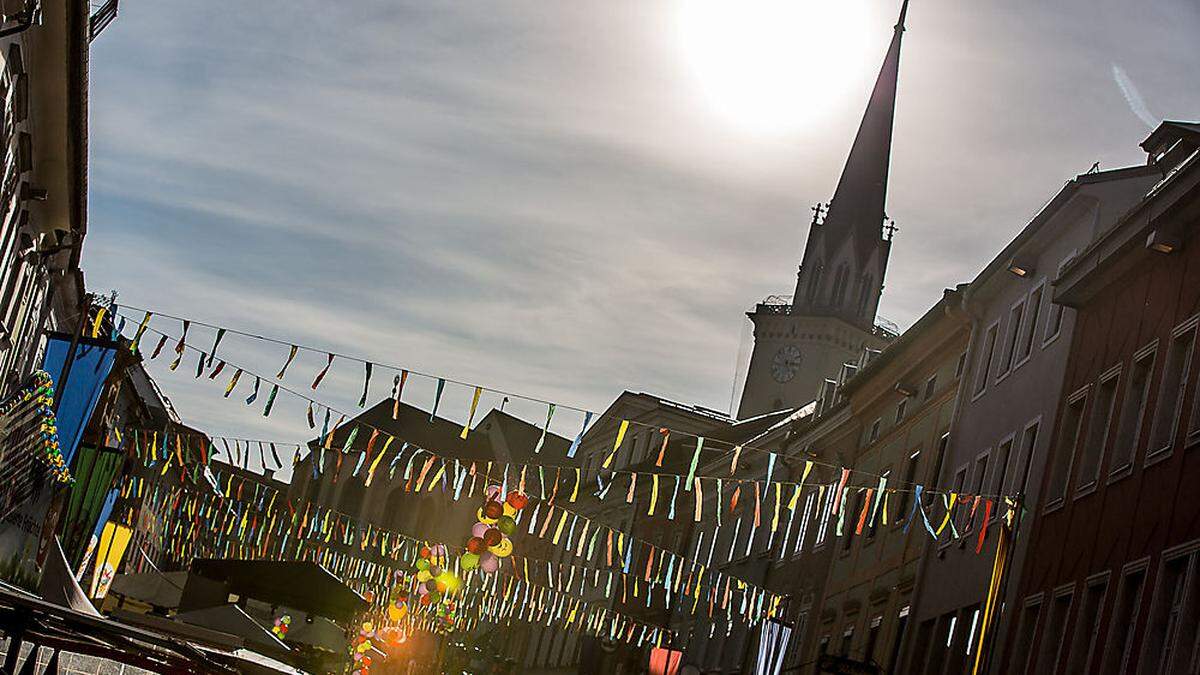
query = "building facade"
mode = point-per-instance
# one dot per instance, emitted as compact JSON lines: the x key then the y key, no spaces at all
{"x":1011,"y":375}
{"x":1112,"y":580}
{"x":43,"y":177}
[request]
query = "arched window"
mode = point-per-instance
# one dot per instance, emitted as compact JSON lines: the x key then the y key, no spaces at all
{"x":814,"y":280}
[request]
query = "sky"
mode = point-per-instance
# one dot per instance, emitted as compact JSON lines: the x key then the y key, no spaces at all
{"x":571,"y":199}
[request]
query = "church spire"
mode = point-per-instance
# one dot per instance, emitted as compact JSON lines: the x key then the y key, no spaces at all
{"x":855,"y":216}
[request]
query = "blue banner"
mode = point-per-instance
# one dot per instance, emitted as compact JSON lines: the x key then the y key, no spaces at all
{"x":77,"y":399}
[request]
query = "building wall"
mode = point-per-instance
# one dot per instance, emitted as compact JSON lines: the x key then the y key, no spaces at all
{"x":823,"y":345}
{"x":1114,"y":545}
{"x":867,"y":604}
{"x":1007,"y":404}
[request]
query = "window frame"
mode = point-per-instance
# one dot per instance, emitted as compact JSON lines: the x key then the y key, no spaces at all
{"x":1150,"y":352}
{"x":1015,"y":319}
{"x":983,"y":365}
{"x":1097,"y":438}
{"x":1154,"y":454}
{"x":1056,"y":498}
{"x":1033,"y":315}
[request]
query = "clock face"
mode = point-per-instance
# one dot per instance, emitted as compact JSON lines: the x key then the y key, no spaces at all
{"x":786,"y":363}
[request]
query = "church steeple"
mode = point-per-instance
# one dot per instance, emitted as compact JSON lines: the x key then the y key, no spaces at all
{"x":799,"y":350}
{"x":846,"y":254}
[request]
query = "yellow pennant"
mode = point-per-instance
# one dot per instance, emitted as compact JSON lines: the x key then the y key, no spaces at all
{"x":617,"y":445}
{"x":471,"y":416}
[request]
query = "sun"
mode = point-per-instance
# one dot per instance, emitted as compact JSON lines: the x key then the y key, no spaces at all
{"x":774,"y":66}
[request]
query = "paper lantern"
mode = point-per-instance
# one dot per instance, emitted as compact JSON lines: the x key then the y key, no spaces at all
{"x":492,"y":537}
{"x":422,"y":564}
{"x":424,"y":575}
{"x":506,"y":525}
{"x":502,"y":549}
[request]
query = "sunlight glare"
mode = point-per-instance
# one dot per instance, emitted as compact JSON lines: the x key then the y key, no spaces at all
{"x":775,"y":66}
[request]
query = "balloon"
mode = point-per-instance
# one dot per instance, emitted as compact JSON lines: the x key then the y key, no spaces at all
{"x":475,"y":544}
{"x":492,"y":536}
{"x":506,"y":525}
{"x":482,"y":518}
{"x":517,"y":500}
{"x":439,"y":550}
{"x":434,"y":570}
{"x":503,"y":549}
{"x":393,"y":613}
{"x":425,"y":552}
{"x":492,"y":492}
{"x":470,"y":561}
{"x":424,"y":575}
{"x":425,"y":600}
{"x":478,"y":529}
{"x":489,"y":563}
{"x":509,"y":509}
{"x":422,"y":564}
{"x":493,"y":510}
{"x":431,"y":585}
{"x":434,"y":596}
{"x":421,"y":591}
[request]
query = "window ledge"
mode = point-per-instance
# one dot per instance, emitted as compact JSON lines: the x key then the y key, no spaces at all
{"x":1088,"y":488}
{"x":1121,"y":472}
{"x":1053,"y":505}
{"x":1157,"y":456}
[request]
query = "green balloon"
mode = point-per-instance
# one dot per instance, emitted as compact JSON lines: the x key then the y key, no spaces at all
{"x":435,"y":597}
{"x":506,"y":525}
{"x":469,"y":561}
{"x":422,"y":564}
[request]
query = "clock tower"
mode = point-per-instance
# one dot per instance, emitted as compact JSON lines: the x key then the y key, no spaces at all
{"x":801,"y":341}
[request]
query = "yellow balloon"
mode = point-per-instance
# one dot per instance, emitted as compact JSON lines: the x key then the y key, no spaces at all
{"x":424,"y":576}
{"x":503,"y":549}
{"x":484,"y":519}
{"x":393,"y":613}
{"x":509,"y":509}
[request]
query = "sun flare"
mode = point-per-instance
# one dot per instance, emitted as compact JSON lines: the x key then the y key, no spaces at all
{"x":774,"y":66}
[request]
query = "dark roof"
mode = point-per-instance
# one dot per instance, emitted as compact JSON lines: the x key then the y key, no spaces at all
{"x":950,"y":301}
{"x":412,"y":425}
{"x":304,"y":585}
{"x":858,"y":202}
{"x":521,"y":437}
{"x":1168,"y":133}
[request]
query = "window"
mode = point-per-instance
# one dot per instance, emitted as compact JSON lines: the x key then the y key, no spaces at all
{"x":1054,"y":321}
{"x":1014,"y":336}
{"x":1035,"y":309}
{"x":874,"y":522}
{"x":986,"y":357}
{"x":960,"y":479}
{"x":940,"y":458}
{"x":1132,"y":409}
{"x":960,"y":366}
{"x":1060,"y":463}
{"x":847,"y":640}
{"x":1056,"y":629}
{"x":873,"y":630}
{"x":900,"y":410}
{"x":1029,"y":620}
{"x":930,"y":387}
{"x":980,"y":477}
{"x":898,"y":640}
{"x":874,"y":436}
{"x":1000,"y":473}
{"x":1171,"y":643}
{"x":1125,"y":613}
{"x":1097,"y":435}
{"x":1170,"y":392}
{"x":1028,"y":445}
{"x":823,"y":526}
{"x":1087,"y":625}
{"x":852,"y":519}
{"x":972,"y":630}
{"x":809,"y":505}
{"x":910,"y":478}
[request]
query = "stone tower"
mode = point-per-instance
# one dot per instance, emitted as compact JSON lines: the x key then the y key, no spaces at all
{"x":831,"y":317}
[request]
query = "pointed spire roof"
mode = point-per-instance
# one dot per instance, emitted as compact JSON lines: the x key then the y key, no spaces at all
{"x":858,"y":203}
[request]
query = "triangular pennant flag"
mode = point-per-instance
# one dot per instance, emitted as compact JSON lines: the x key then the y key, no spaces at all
{"x":362,"y":400}
{"x":471,"y":416}
{"x":321,"y":375}
{"x":437,"y":398}
{"x":587,"y":417}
